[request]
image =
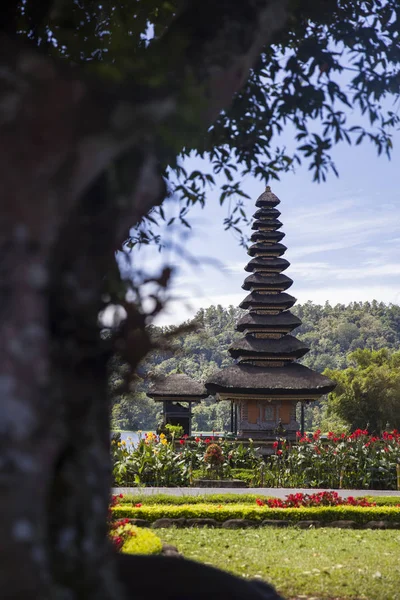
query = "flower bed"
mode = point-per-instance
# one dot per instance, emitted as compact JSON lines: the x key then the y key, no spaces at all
{"x":224,"y":498}
{"x":356,"y":461}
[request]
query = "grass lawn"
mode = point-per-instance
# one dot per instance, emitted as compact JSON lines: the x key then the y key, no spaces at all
{"x":323,"y":563}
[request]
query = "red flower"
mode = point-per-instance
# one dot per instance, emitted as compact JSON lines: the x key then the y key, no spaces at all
{"x":182,"y":442}
{"x":197,"y":440}
{"x":138,"y":505}
{"x":260,"y":502}
{"x":185,"y":437}
{"x":121,"y":496}
{"x":275,"y":444}
{"x":207,"y":441}
{"x":279,"y":452}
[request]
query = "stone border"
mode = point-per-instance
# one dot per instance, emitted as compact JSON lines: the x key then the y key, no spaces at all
{"x":245,"y":523}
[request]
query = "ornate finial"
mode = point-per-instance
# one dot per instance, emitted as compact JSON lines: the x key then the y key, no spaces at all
{"x":268,"y":189}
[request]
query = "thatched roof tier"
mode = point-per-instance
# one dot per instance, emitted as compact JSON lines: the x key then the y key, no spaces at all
{"x":267,"y":236}
{"x":177,"y":386}
{"x":278,"y":302}
{"x":260,"y":281}
{"x":287,"y":346}
{"x":283,"y":321}
{"x":271,"y":224}
{"x":260,"y":248}
{"x":266,"y":213}
{"x":290,"y":379}
{"x":267,"y":198}
{"x":258,"y":263}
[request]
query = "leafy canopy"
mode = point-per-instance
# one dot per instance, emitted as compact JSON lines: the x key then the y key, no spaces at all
{"x":328,"y":77}
{"x":368,"y":393}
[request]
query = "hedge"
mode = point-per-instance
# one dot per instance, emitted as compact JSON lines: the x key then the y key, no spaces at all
{"x":361,"y":515}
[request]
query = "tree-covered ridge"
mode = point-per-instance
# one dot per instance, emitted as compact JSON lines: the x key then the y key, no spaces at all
{"x":331,"y":332}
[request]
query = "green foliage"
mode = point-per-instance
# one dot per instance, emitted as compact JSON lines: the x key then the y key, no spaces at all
{"x":143,"y":541}
{"x":331,"y":56}
{"x":173,"y":431}
{"x":368,"y":394}
{"x":256,"y":513}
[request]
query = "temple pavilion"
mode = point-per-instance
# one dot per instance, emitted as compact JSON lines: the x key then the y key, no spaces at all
{"x":177,"y":392}
{"x":266,"y":384}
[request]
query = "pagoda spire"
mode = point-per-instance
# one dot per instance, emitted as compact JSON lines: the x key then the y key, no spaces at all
{"x":267,"y":326}
{"x":265,"y":383}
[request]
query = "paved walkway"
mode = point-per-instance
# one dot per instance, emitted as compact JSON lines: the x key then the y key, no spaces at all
{"x":276,"y":492}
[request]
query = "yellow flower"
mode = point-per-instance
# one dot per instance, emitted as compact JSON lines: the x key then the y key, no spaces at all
{"x":119,"y":443}
{"x":162,"y":436}
{"x":123,"y":442}
{"x":164,"y":441}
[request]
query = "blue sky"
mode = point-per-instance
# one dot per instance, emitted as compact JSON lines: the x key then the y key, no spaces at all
{"x":343,"y":237}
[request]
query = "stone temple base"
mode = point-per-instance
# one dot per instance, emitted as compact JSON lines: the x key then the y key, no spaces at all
{"x":219,"y":483}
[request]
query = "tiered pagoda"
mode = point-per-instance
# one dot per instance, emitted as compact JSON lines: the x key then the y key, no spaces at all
{"x":265,"y":384}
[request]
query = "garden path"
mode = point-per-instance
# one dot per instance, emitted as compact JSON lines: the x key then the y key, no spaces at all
{"x":276,"y":492}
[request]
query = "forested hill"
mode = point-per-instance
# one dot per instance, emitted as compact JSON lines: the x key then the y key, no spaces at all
{"x":331,"y":332}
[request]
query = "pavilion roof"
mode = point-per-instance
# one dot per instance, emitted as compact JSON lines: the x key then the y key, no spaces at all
{"x":266,"y":213}
{"x":177,"y":385}
{"x":273,"y":223}
{"x":270,"y":249}
{"x":260,"y":280}
{"x":267,"y":236}
{"x":290,"y":379}
{"x":268,"y":322}
{"x":281,"y":301}
{"x":263,"y":348}
{"x":265,"y":262}
{"x":267,"y":198}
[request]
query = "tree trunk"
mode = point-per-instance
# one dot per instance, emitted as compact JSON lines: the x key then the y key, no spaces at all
{"x":57,"y":134}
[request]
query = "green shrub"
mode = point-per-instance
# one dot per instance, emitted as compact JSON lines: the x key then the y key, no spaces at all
{"x":258,"y":513}
{"x":173,"y":431}
{"x":141,"y":541}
